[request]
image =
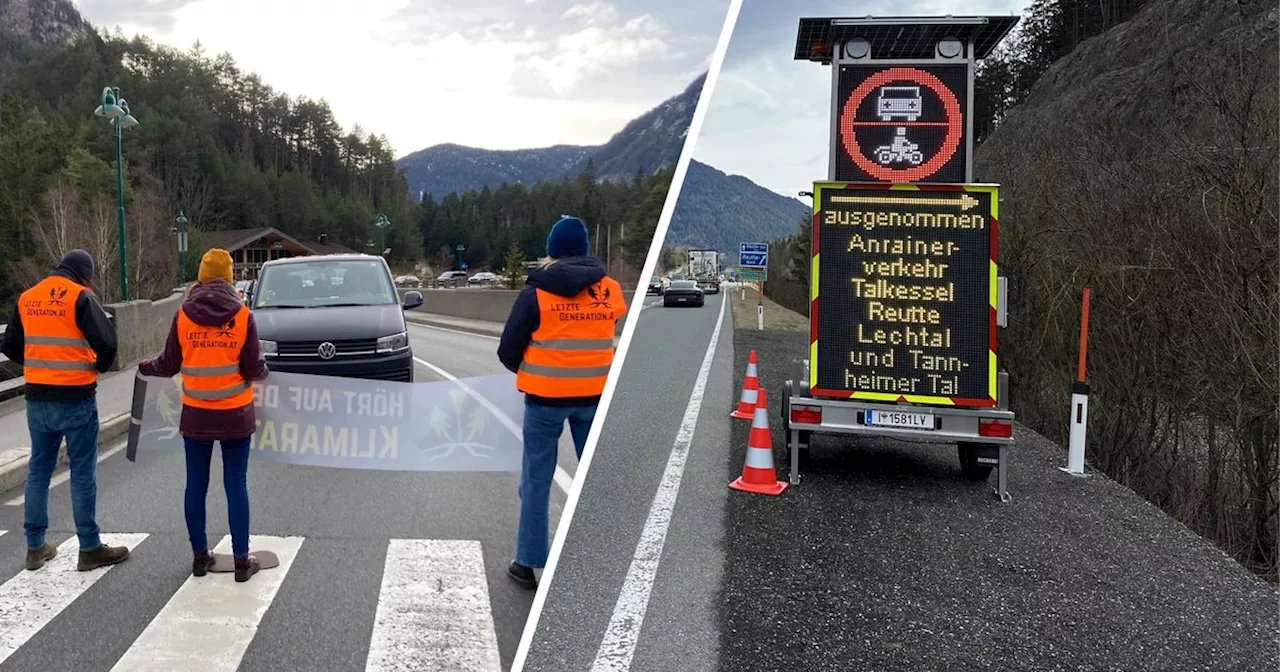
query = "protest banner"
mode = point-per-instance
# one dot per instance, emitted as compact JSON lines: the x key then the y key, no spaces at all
{"x":469,"y":424}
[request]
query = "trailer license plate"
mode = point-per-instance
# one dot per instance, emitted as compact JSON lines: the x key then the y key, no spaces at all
{"x":900,"y":419}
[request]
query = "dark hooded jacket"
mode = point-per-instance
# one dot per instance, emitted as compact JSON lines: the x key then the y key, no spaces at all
{"x":567,"y":276}
{"x":211,"y":304}
{"x":92,"y":321}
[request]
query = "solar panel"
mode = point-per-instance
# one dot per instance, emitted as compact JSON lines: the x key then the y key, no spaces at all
{"x":901,"y":37}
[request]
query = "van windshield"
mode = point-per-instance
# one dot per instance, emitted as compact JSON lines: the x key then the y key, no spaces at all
{"x":321,"y":283}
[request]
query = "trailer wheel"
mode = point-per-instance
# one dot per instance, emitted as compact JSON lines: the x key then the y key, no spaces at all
{"x":969,"y":466}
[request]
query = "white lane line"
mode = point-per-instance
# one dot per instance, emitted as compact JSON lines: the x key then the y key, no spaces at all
{"x":433,"y":609}
{"x":619,"y":645}
{"x":30,"y":600}
{"x":64,"y":476}
{"x":562,"y":478}
{"x":2,"y":532}
{"x":454,"y":331}
{"x":209,"y":622}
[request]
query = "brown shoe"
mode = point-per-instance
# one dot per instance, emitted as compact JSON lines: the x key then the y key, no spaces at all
{"x":36,"y":558}
{"x":246,"y":566}
{"x":202,"y":564}
{"x":102,"y":556}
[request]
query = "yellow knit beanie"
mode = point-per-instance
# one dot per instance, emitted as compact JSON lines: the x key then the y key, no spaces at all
{"x":216,"y":263}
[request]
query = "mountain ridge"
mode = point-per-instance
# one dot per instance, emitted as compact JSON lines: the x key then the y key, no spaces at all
{"x":645,"y":145}
{"x":758,"y":214}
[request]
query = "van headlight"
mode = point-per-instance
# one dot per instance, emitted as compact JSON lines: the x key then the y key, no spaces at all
{"x":393,"y":343}
{"x":268,"y":348}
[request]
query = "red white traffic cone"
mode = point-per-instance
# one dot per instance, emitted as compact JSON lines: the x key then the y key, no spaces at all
{"x":747,"y":404}
{"x":758,"y":475}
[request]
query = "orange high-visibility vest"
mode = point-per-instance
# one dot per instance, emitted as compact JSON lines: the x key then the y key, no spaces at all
{"x":572,"y":348}
{"x":54,"y":349}
{"x":211,"y":363}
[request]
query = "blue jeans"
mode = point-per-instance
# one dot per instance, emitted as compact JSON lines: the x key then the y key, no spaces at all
{"x":235,"y":480}
{"x":49,"y":423}
{"x":542,"y":428}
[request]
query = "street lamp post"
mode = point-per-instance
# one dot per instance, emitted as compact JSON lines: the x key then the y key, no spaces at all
{"x":116,"y":110}
{"x":460,"y":248}
{"x":182,"y":247}
{"x":382,"y":225}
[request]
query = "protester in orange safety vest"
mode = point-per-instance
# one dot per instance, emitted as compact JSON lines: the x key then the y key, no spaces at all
{"x":214,"y":345}
{"x":558,"y":341}
{"x":63,"y":339}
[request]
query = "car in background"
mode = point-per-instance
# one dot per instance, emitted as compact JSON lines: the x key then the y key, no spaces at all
{"x":709,"y":285}
{"x":353,"y":325}
{"x":452,"y":276}
{"x":682,"y":293}
{"x":655,"y":287}
{"x":482,"y":278}
{"x":408,"y":281}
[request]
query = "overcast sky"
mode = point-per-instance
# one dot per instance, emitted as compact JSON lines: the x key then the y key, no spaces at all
{"x":769,"y":116}
{"x":499,"y":74}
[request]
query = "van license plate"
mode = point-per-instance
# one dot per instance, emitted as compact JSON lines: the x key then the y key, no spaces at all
{"x":900,"y":419}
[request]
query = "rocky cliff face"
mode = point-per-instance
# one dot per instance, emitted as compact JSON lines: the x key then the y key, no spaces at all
{"x":49,"y":23}
{"x":1144,"y":166}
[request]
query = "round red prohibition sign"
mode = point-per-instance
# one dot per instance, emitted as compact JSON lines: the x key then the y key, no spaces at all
{"x":954,"y":124}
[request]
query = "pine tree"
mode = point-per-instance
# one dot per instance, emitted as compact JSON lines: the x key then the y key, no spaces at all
{"x":514,"y":270}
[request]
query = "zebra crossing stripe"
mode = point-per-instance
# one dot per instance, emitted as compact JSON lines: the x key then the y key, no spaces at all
{"x":209,"y":622}
{"x":433,"y":609}
{"x":30,"y":600}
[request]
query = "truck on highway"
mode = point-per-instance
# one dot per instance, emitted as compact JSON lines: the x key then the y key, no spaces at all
{"x":704,"y":268}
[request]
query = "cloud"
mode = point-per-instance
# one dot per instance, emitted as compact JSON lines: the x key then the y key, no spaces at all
{"x":500,"y":74}
{"x":769,"y":117}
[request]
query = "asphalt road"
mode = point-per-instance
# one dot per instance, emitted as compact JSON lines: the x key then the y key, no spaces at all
{"x":882,"y":558}
{"x":680,"y":626}
{"x":321,"y":614}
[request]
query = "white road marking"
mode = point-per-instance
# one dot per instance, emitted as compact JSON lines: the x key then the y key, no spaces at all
{"x":65,"y":475}
{"x":562,"y":477}
{"x":433,"y":609}
{"x":209,"y":623}
{"x":454,"y":331}
{"x":30,"y":600}
{"x":619,"y":645}
{"x":2,"y":532}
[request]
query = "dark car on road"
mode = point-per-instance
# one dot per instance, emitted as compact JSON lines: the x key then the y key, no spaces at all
{"x":655,"y":286}
{"x":333,"y":315}
{"x":682,"y":293}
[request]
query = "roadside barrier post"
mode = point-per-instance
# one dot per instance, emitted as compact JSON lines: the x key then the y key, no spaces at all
{"x":1079,"y":398}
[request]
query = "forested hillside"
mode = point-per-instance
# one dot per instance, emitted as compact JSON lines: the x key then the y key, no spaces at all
{"x":488,"y":221}
{"x":722,"y":211}
{"x":211,"y":141}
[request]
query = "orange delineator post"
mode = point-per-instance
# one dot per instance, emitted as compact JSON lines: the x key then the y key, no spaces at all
{"x":1079,"y":399}
{"x":1084,"y":335}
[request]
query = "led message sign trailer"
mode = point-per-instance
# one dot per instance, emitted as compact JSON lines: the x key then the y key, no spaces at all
{"x":904,"y":303}
{"x":901,"y":124}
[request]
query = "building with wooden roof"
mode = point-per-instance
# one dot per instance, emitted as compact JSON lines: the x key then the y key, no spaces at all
{"x":251,"y":248}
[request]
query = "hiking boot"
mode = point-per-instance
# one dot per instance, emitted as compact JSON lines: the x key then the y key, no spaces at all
{"x":522,"y":575}
{"x":202,"y":563}
{"x":36,"y":558}
{"x":102,"y":556}
{"x":246,"y":566}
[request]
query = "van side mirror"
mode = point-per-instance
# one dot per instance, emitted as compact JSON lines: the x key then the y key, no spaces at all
{"x":411,"y":300}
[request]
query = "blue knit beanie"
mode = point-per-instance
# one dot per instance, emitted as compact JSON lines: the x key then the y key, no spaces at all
{"x":568,"y":238}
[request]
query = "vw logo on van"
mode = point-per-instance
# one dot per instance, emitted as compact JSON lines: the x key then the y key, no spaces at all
{"x":327,"y":350}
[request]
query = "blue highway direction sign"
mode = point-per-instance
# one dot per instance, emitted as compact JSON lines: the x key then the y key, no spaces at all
{"x":753,"y":255}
